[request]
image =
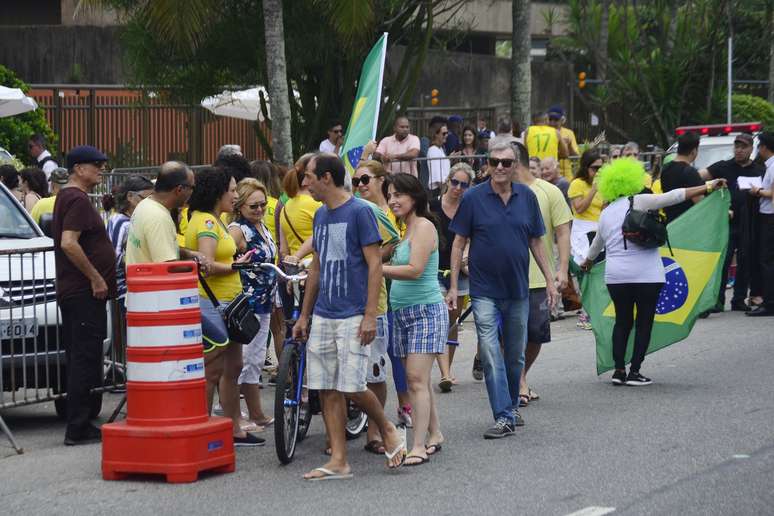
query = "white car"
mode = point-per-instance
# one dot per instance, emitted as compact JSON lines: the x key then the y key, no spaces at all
{"x":32,"y":356}
{"x":5,"y":155}
{"x":716,"y":141}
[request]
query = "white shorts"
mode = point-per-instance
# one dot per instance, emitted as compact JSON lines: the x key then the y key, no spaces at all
{"x":377,"y":361}
{"x":254,"y":354}
{"x":335,"y":359}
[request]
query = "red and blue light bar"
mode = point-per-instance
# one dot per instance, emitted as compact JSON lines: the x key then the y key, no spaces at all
{"x":720,"y":129}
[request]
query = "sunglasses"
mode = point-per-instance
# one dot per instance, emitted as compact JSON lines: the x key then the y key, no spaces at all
{"x":445,"y":133}
{"x":257,"y":205}
{"x":462,"y":184}
{"x":356,"y":181}
{"x":506,"y":163}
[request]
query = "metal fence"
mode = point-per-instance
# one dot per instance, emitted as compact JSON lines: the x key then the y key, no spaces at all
{"x":32,"y":351}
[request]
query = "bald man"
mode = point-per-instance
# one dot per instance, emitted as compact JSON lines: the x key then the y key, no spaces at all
{"x":549,"y":170}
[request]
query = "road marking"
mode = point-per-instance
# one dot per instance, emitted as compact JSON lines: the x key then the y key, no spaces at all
{"x":593,"y":510}
{"x":741,"y":456}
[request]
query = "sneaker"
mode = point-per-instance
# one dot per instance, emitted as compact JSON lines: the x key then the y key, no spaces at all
{"x":636,"y":378}
{"x":478,"y":369}
{"x":91,"y":434}
{"x":502,"y":428}
{"x":583,"y":321}
{"x":518,"y":418}
{"x":619,"y":378}
{"x":404,"y":416}
{"x":249,"y":440}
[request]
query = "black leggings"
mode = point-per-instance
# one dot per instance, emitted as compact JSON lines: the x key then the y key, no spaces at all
{"x":625,"y":297}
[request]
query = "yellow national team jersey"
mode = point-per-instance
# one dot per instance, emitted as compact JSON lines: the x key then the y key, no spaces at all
{"x":268,"y":217}
{"x":202,"y":224}
{"x":565,"y":164}
{"x":542,"y":142}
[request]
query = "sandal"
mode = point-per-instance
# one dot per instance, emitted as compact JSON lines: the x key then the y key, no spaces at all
{"x":533,"y":396}
{"x":445,"y":385}
{"x":401,"y":449}
{"x":523,"y":400}
{"x":376,"y":447}
{"x":328,"y":474}
{"x":422,"y":460}
{"x":434,"y":448}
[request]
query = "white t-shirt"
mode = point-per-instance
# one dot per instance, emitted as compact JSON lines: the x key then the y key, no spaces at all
{"x":327,"y":146}
{"x":49,"y":166}
{"x":439,"y":167}
{"x":766,"y":205}
{"x":635,"y":264}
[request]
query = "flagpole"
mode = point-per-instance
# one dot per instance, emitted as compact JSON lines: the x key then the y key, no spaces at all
{"x":381,"y":80}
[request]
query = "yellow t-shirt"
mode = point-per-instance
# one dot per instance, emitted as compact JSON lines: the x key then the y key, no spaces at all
{"x":555,"y":212}
{"x":43,"y":206}
{"x":182,"y":226}
{"x":580,"y":188}
{"x":152,"y":237}
{"x":656,"y":187}
{"x":300,"y":210}
{"x":202,"y":224}
{"x":542,"y":142}
{"x":565,"y":165}
{"x":268,"y":218}
{"x":390,"y":235}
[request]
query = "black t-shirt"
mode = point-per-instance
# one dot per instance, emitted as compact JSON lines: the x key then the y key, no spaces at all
{"x":678,"y":174}
{"x":73,"y":212}
{"x":730,"y":170}
{"x":447,"y":236}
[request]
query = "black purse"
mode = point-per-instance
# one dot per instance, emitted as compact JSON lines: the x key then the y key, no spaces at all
{"x":241,"y":322}
{"x":645,"y":228}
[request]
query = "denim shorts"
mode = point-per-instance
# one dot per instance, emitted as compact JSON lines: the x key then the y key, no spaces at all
{"x":214,"y":332}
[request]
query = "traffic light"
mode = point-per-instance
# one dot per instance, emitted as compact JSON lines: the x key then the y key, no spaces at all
{"x":434,"y":100}
{"x":581,"y":80}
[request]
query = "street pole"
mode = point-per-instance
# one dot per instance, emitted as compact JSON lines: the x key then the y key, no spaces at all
{"x":730,"y":77}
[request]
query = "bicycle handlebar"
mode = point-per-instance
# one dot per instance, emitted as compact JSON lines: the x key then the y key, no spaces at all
{"x":291,"y":278}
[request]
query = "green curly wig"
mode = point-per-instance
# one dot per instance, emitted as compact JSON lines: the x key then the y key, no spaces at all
{"x":621,"y":178}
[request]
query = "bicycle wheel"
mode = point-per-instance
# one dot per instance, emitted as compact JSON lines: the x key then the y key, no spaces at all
{"x":305,"y":417}
{"x":286,"y":408}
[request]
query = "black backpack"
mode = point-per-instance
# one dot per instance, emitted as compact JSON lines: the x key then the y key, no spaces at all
{"x":645,"y":228}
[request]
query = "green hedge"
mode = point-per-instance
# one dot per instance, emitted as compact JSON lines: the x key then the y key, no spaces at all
{"x":749,"y":108}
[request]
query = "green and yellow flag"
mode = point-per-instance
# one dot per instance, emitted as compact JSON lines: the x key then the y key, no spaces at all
{"x":699,"y":239}
{"x":365,"y":112}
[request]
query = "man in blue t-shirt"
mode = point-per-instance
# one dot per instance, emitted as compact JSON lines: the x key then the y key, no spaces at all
{"x":502,"y":221}
{"x":342,"y":290}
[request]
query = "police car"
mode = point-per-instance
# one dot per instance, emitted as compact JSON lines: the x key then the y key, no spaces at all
{"x":716,"y":142}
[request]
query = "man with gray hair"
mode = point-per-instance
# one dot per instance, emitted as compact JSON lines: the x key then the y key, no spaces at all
{"x":631,"y":150}
{"x":504,"y":133}
{"x":549,"y":171}
{"x":230,"y":149}
{"x":502,"y":221}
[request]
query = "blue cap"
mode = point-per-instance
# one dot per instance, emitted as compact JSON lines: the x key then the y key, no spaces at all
{"x":455,"y":118}
{"x":484,"y":134}
{"x":84,"y":154}
{"x":556,"y":111}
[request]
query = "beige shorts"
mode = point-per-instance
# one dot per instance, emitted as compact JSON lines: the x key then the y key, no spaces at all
{"x":335,"y":358}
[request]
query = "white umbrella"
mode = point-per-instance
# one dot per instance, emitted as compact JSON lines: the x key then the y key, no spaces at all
{"x":245,"y":104}
{"x":13,"y":101}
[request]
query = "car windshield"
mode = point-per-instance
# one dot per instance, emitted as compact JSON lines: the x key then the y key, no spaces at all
{"x":710,"y":154}
{"x":13,"y":223}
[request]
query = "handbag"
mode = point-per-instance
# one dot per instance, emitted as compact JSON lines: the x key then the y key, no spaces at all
{"x":240,"y":319}
{"x":645,"y":228}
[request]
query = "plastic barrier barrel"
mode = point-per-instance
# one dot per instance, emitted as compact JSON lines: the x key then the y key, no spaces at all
{"x":167,"y":429}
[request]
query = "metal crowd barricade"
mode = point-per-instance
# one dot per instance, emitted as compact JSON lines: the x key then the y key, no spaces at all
{"x":32,"y":351}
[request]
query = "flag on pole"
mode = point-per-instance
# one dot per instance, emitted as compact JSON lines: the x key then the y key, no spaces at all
{"x":699,"y":239}
{"x":365,"y":112}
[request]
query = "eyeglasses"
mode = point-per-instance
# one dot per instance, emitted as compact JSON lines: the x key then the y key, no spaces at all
{"x":462,"y":184}
{"x":506,"y":163}
{"x":364,"y":179}
{"x":257,"y":205}
{"x":445,"y":133}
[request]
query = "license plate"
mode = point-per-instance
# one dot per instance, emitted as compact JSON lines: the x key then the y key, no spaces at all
{"x":19,"y":328}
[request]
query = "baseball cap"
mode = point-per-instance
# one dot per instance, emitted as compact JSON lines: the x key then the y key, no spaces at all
{"x":555,"y":112}
{"x":84,"y":154}
{"x":745,"y":138}
{"x":455,"y":118}
{"x":59,"y":176}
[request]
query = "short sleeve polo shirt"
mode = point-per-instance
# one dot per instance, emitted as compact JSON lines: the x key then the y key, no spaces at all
{"x":499,"y":235}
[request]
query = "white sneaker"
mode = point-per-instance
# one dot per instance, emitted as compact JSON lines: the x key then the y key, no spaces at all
{"x":404,"y":416}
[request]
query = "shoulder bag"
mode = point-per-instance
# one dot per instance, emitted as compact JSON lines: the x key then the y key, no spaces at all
{"x":241,"y":322}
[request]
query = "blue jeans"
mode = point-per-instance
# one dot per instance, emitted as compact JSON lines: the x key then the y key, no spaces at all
{"x":502,"y":368}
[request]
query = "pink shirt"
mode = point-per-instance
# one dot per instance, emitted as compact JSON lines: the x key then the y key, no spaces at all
{"x":390,"y":145}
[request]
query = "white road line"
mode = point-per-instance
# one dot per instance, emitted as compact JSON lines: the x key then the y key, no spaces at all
{"x":593,"y":510}
{"x":741,"y":456}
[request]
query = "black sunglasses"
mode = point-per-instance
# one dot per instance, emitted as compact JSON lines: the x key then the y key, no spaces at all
{"x":362,"y":179}
{"x":462,"y":184}
{"x":257,"y":205}
{"x":507,"y":163}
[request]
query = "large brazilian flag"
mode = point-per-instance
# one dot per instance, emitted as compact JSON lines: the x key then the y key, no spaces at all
{"x":699,"y":239}
{"x":365,"y":112}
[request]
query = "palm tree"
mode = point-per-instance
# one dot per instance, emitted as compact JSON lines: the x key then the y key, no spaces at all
{"x":521,"y":75}
{"x":276,"y":71}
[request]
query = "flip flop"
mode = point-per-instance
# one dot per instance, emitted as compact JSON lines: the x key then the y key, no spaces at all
{"x":400,"y":449}
{"x":436,"y":447}
{"x":533,"y":396}
{"x":328,"y":474}
{"x":422,"y":460}
{"x":373,"y":447}
{"x":523,"y":400}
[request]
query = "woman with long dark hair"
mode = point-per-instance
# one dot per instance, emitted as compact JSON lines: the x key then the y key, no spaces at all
{"x":469,"y":148}
{"x":34,"y":186}
{"x":421,"y":318}
{"x":214,"y":194}
{"x":9,"y":176}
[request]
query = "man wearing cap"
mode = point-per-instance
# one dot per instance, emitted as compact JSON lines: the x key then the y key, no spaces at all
{"x":45,"y":206}
{"x":398,"y":152}
{"x":731,"y":170}
{"x":85,"y":279}
{"x":557,"y":119}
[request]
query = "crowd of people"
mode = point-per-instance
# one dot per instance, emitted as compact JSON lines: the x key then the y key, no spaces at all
{"x":394,"y":255}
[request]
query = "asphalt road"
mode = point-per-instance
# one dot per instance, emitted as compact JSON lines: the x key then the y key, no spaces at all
{"x":698,"y":441}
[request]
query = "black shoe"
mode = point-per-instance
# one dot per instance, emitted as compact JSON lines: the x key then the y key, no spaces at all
{"x":761,"y":311}
{"x":619,"y":378}
{"x":90,"y":434}
{"x":637,"y":379}
{"x":739,"y":306}
{"x":718,"y":309}
{"x":249,"y":440}
{"x":478,"y":369}
{"x":518,"y":418}
{"x":704,"y":315}
{"x":502,"y":428}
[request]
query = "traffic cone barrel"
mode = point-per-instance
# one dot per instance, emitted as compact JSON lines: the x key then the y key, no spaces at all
{"x":167,"y":430}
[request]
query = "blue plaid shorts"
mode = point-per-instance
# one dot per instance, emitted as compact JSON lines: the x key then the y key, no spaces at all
{"x":421,"y":329}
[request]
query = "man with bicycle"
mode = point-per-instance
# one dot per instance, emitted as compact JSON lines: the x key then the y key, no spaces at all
{"x":342,"y":290}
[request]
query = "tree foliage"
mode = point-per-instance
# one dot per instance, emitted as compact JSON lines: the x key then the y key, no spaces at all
{"x":749,"y":108}
{"x":16,"y":130}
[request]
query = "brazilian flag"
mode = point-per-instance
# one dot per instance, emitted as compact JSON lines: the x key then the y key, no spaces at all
{"x":699,"y":239}
{"x":365,"y":112}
